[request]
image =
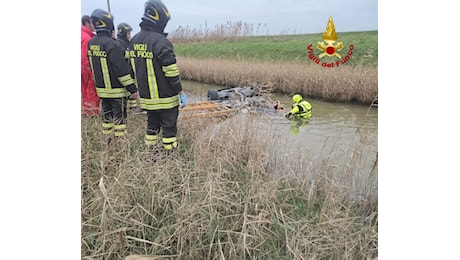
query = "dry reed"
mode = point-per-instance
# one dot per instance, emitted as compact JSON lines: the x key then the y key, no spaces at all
{"x":227,"y":31}
{"x":221,"y":199}
{"x":343,"y":84}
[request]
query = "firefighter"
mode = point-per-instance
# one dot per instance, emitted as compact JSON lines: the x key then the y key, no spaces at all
{"x":89,"y":100}
{"x":300,"y":108}
{"x":114,"y":83}
{"x":300,"y":113}
{"x":123,"y":39}
{"x":157,"y":76}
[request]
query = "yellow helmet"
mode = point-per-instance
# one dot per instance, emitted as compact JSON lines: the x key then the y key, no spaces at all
{"x":297,"y":98}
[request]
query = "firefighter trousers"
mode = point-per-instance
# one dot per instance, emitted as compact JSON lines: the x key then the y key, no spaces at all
{"x":165,"y":121}
{"x":114,"y":116}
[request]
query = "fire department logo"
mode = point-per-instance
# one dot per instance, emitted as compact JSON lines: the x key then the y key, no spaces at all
{"x":329,"y":47}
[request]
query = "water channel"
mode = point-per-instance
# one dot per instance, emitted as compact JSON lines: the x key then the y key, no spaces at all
{"x":341,"y":137}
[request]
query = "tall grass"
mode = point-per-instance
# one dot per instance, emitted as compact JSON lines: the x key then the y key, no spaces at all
{"x":343,"y":84}
{"x":226,"y":31}
{"x":225,"y":197}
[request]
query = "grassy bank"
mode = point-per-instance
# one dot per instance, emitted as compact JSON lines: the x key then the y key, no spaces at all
{"x":220,"y":199}
{"x":283,"y":62}
{"x":282,"y":48}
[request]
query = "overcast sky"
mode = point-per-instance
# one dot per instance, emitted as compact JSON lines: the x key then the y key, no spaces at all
{"x":276,"y":17}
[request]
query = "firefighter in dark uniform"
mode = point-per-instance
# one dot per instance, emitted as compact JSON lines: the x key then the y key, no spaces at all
{"x":160,"y":88}
{"x":114,"y":83}
{"x":123,"y":39}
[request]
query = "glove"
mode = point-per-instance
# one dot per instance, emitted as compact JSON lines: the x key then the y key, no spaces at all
{"x":133,"y":96}
{"x":183,"y":100}
{"x":288,"y":115}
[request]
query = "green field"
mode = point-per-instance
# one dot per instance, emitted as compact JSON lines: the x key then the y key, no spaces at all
{"x":279,"y":48}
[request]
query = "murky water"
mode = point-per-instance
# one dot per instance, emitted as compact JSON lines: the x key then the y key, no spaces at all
{"x":338,"y":135}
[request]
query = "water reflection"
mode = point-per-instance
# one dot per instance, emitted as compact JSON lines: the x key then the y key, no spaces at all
{"x":297,"y":123}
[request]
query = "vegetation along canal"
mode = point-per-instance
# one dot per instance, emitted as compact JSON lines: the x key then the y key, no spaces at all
{"x":342,"y":133}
